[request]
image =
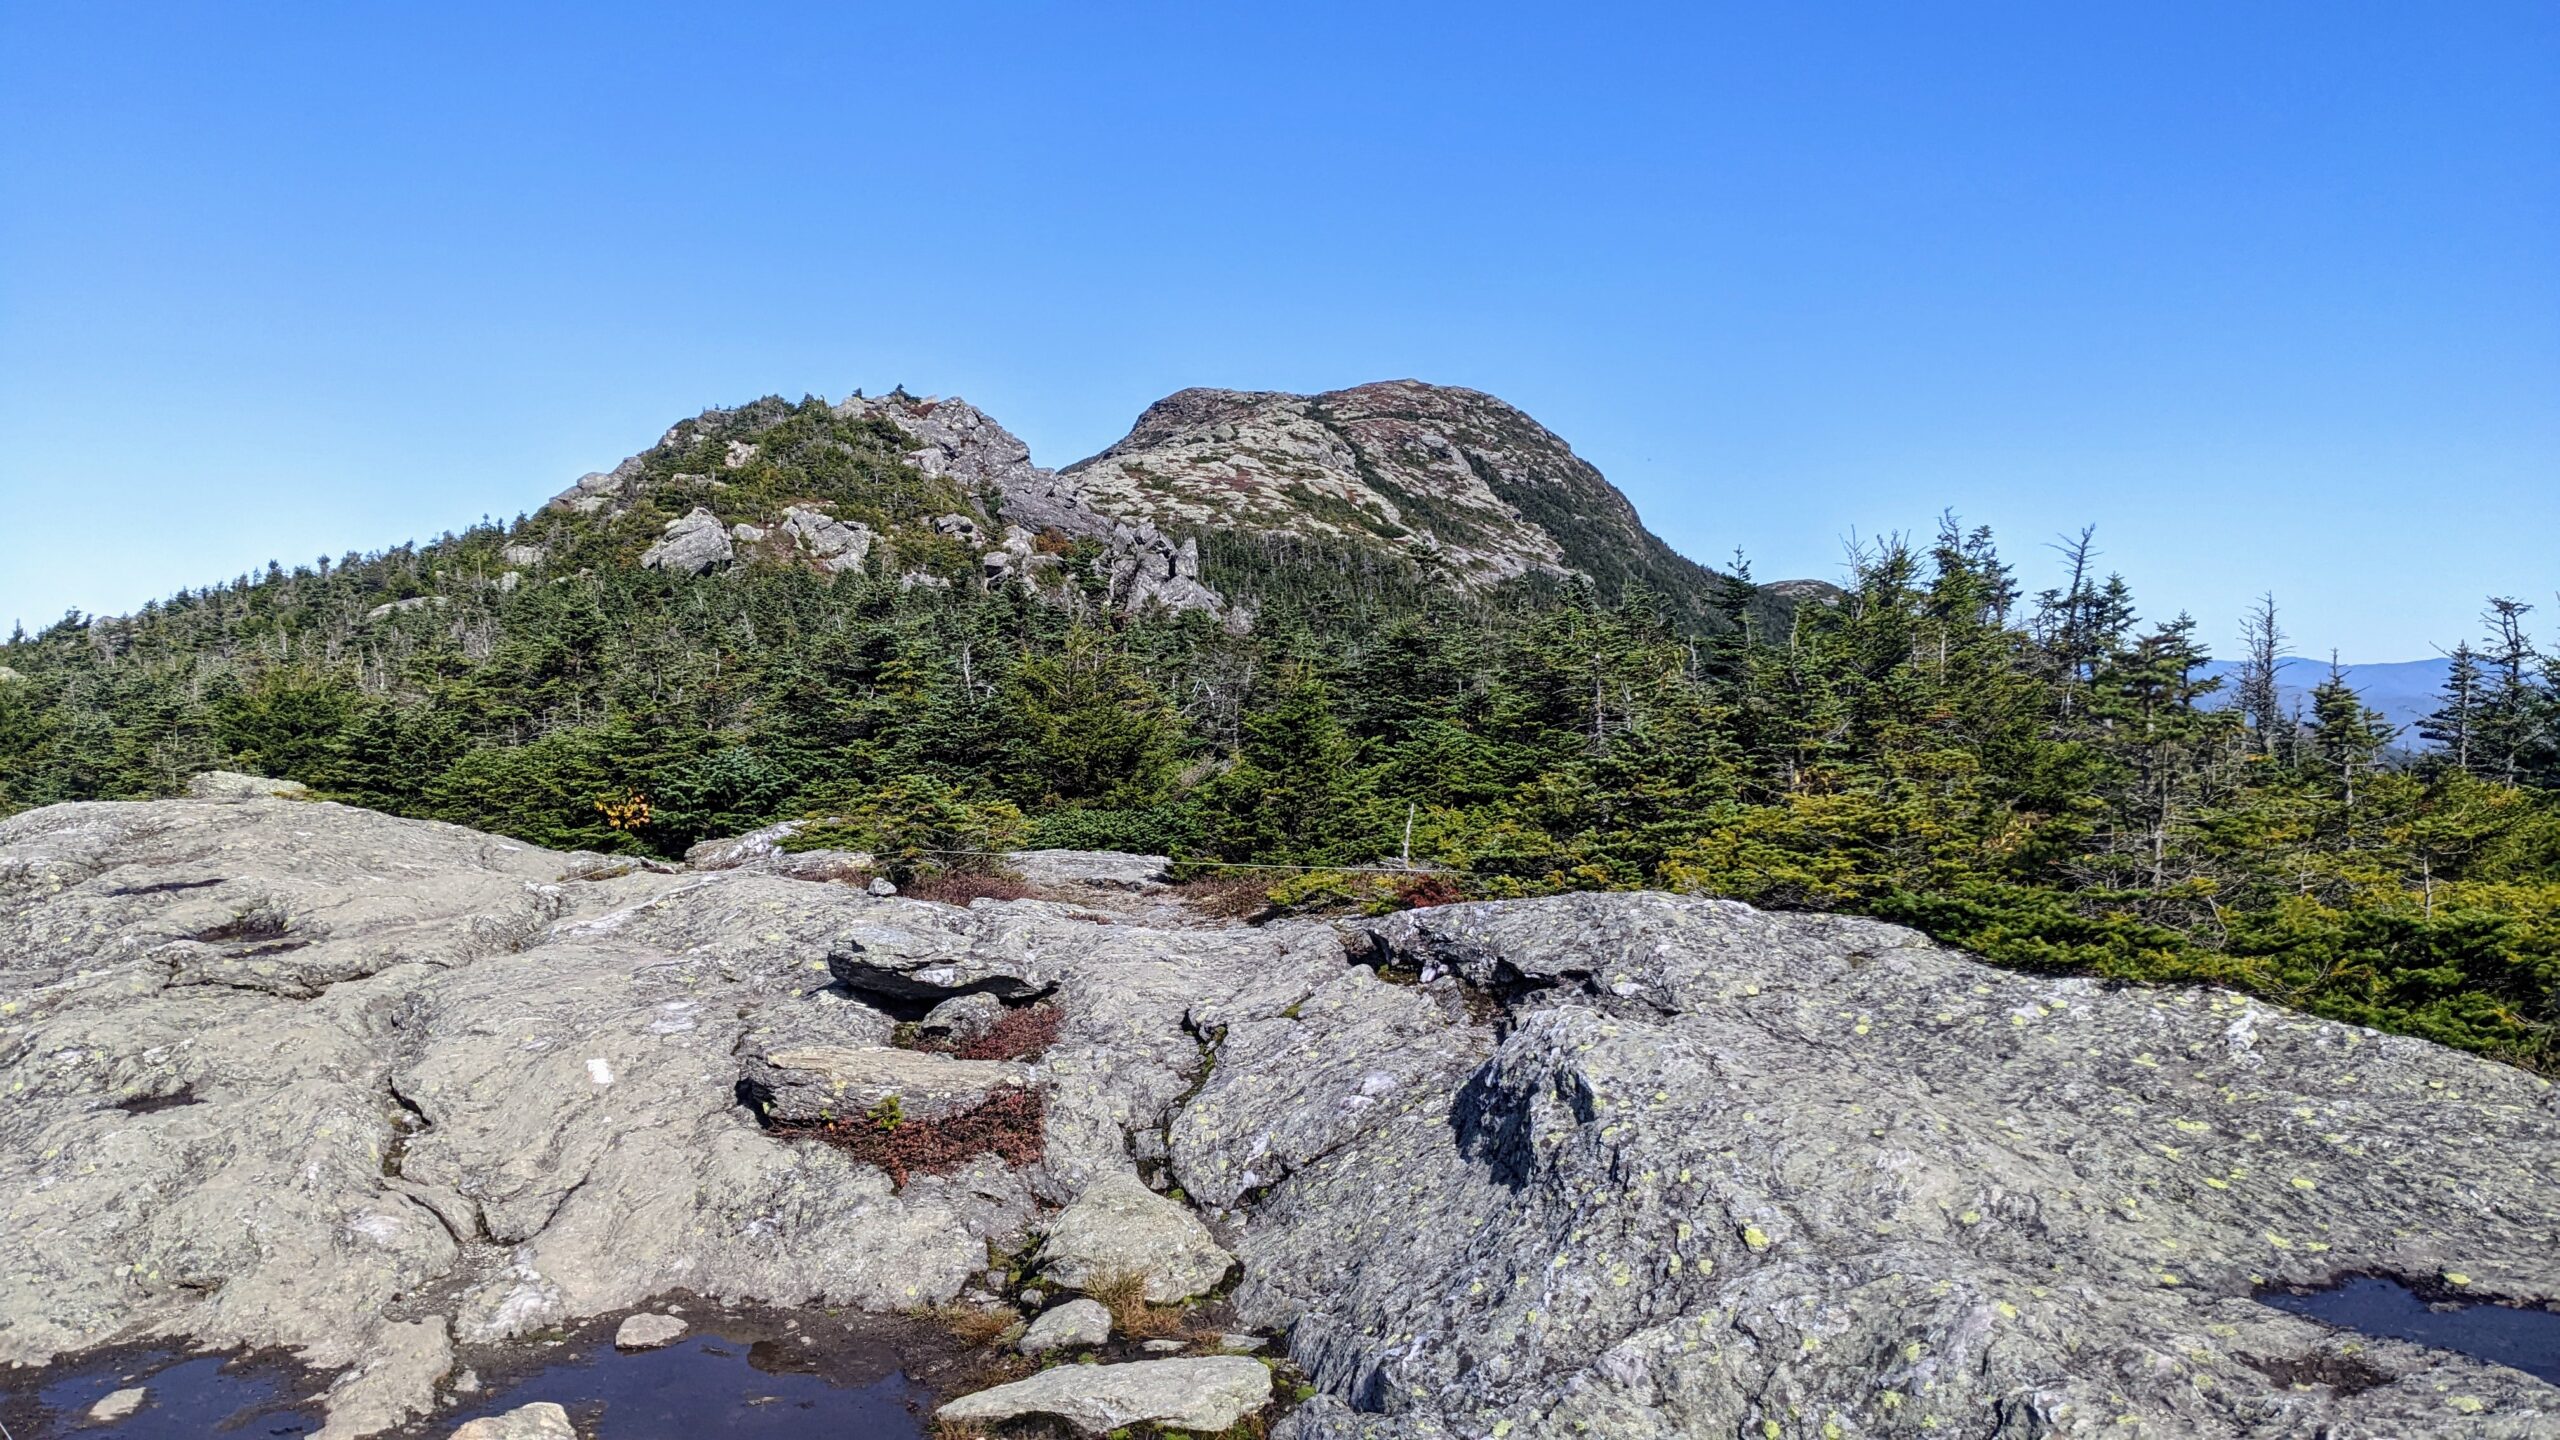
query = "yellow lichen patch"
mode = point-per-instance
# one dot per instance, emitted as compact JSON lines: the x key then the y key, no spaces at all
{"x":2467,"y":1404}
{"x":2303,"y":1183}
{"x":2169,"y":1277}
{"x":2456,"y":1277}
{"x":1755,"y":1237}
{"x":2007,"y":1310}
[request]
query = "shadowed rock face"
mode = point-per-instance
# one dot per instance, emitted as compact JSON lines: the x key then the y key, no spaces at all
{"x":289,"y":1073}
{"x":1729,"y":1171}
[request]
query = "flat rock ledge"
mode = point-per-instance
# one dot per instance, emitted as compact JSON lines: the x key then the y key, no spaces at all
{"x":820,"y":1084}
{"x":1119,"y":1227}
{"x":1203,"y":1395}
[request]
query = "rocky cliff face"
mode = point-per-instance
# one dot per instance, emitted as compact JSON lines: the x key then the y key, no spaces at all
{"x":287,"y":1073}
{"x":1466,"y":487}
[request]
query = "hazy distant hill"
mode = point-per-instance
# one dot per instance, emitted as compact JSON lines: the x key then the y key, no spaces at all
{"x":2405,"y":691}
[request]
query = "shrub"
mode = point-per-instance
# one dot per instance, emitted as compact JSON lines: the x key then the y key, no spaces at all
{"x":914,"y":825}
{"x":959,"y":887}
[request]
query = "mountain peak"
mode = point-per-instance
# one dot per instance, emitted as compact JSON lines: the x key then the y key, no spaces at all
{"x":1453,"y":486}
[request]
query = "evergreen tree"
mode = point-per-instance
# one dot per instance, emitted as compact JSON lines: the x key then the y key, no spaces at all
{"x":2453,"y":728}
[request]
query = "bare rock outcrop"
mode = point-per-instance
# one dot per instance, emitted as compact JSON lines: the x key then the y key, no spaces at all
{"x":694,"y":543}
{"x":286,"y":1073}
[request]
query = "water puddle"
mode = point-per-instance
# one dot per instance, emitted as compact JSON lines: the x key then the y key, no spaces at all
{"x":190,"y":1397}
{"x":739,"y":1375}
{"x":710,"y":1386}
{"x":2527,"y":1340}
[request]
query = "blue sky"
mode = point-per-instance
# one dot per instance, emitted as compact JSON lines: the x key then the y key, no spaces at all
{"x":2269,"y":293}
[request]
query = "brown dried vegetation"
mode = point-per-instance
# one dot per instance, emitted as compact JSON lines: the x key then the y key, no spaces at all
{"x":1006,"y":1125}
{"x":1124,"y":1294}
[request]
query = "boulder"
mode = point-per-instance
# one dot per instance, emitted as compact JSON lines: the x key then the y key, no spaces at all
{"x":962,"y":1018}
{"x":523,"y":556}
{"x":119,"y":1405}
{"x":231,"y":785}
{"x":836,"y":545}
{"x":1076,"y":1324}
{"x":1203,"y":1395}
{"x":541,"y":1420}
{"x":738,"y":850}
{"x":818,"y":1084}
{"x":404,"y":607}
{"x":648,"y":1331}
{"x":1120,"y":1227}
{"x":1091,"y":870}
{"x":693,"y":544}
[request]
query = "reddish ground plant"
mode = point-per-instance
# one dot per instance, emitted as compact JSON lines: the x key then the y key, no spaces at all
{"x":1228,"y":895}
{"x":957,"y":887}
{"x":1006,"y":1125}
{"x":1424,"y":891}
{"x":1023,"y":1034}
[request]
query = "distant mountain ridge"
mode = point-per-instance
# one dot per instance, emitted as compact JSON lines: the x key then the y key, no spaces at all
{"x":2405,"y":691}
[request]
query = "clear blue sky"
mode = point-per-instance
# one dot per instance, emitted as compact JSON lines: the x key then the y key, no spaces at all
{"x":2269,"y":292}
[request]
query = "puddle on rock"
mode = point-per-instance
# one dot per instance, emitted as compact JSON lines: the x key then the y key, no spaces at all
{"x":739,"y":1374}
{"x":190,"y":1397}
{"x":2521,"y":1339}
{"x":712,"y":1386}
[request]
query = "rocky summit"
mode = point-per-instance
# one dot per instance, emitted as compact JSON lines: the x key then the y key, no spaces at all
{"x":282,"y":1072}
{"x":1449,"y":486}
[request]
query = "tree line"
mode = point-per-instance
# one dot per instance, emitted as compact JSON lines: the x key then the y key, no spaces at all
{"x":2048,"y":780}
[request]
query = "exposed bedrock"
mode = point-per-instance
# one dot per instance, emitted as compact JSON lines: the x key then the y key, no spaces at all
{"x":282,"y":1072}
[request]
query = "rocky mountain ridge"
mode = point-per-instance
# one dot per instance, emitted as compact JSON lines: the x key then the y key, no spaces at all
{"x":390,"y":1092}
{"x":1455,"y":485}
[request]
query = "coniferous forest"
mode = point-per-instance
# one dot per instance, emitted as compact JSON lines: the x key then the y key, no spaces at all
{"x":2048,"y":779}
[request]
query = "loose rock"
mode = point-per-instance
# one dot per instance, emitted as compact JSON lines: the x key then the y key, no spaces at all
{"x":541,"y":1420}
{"x":648,"y":1332}
{"x":1076,"y":1323}
{"x":118,"y":1405}
{"x":962,"y":1018}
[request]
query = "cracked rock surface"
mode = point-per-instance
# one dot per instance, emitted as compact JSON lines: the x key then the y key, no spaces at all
{"x":287,"y":1073}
